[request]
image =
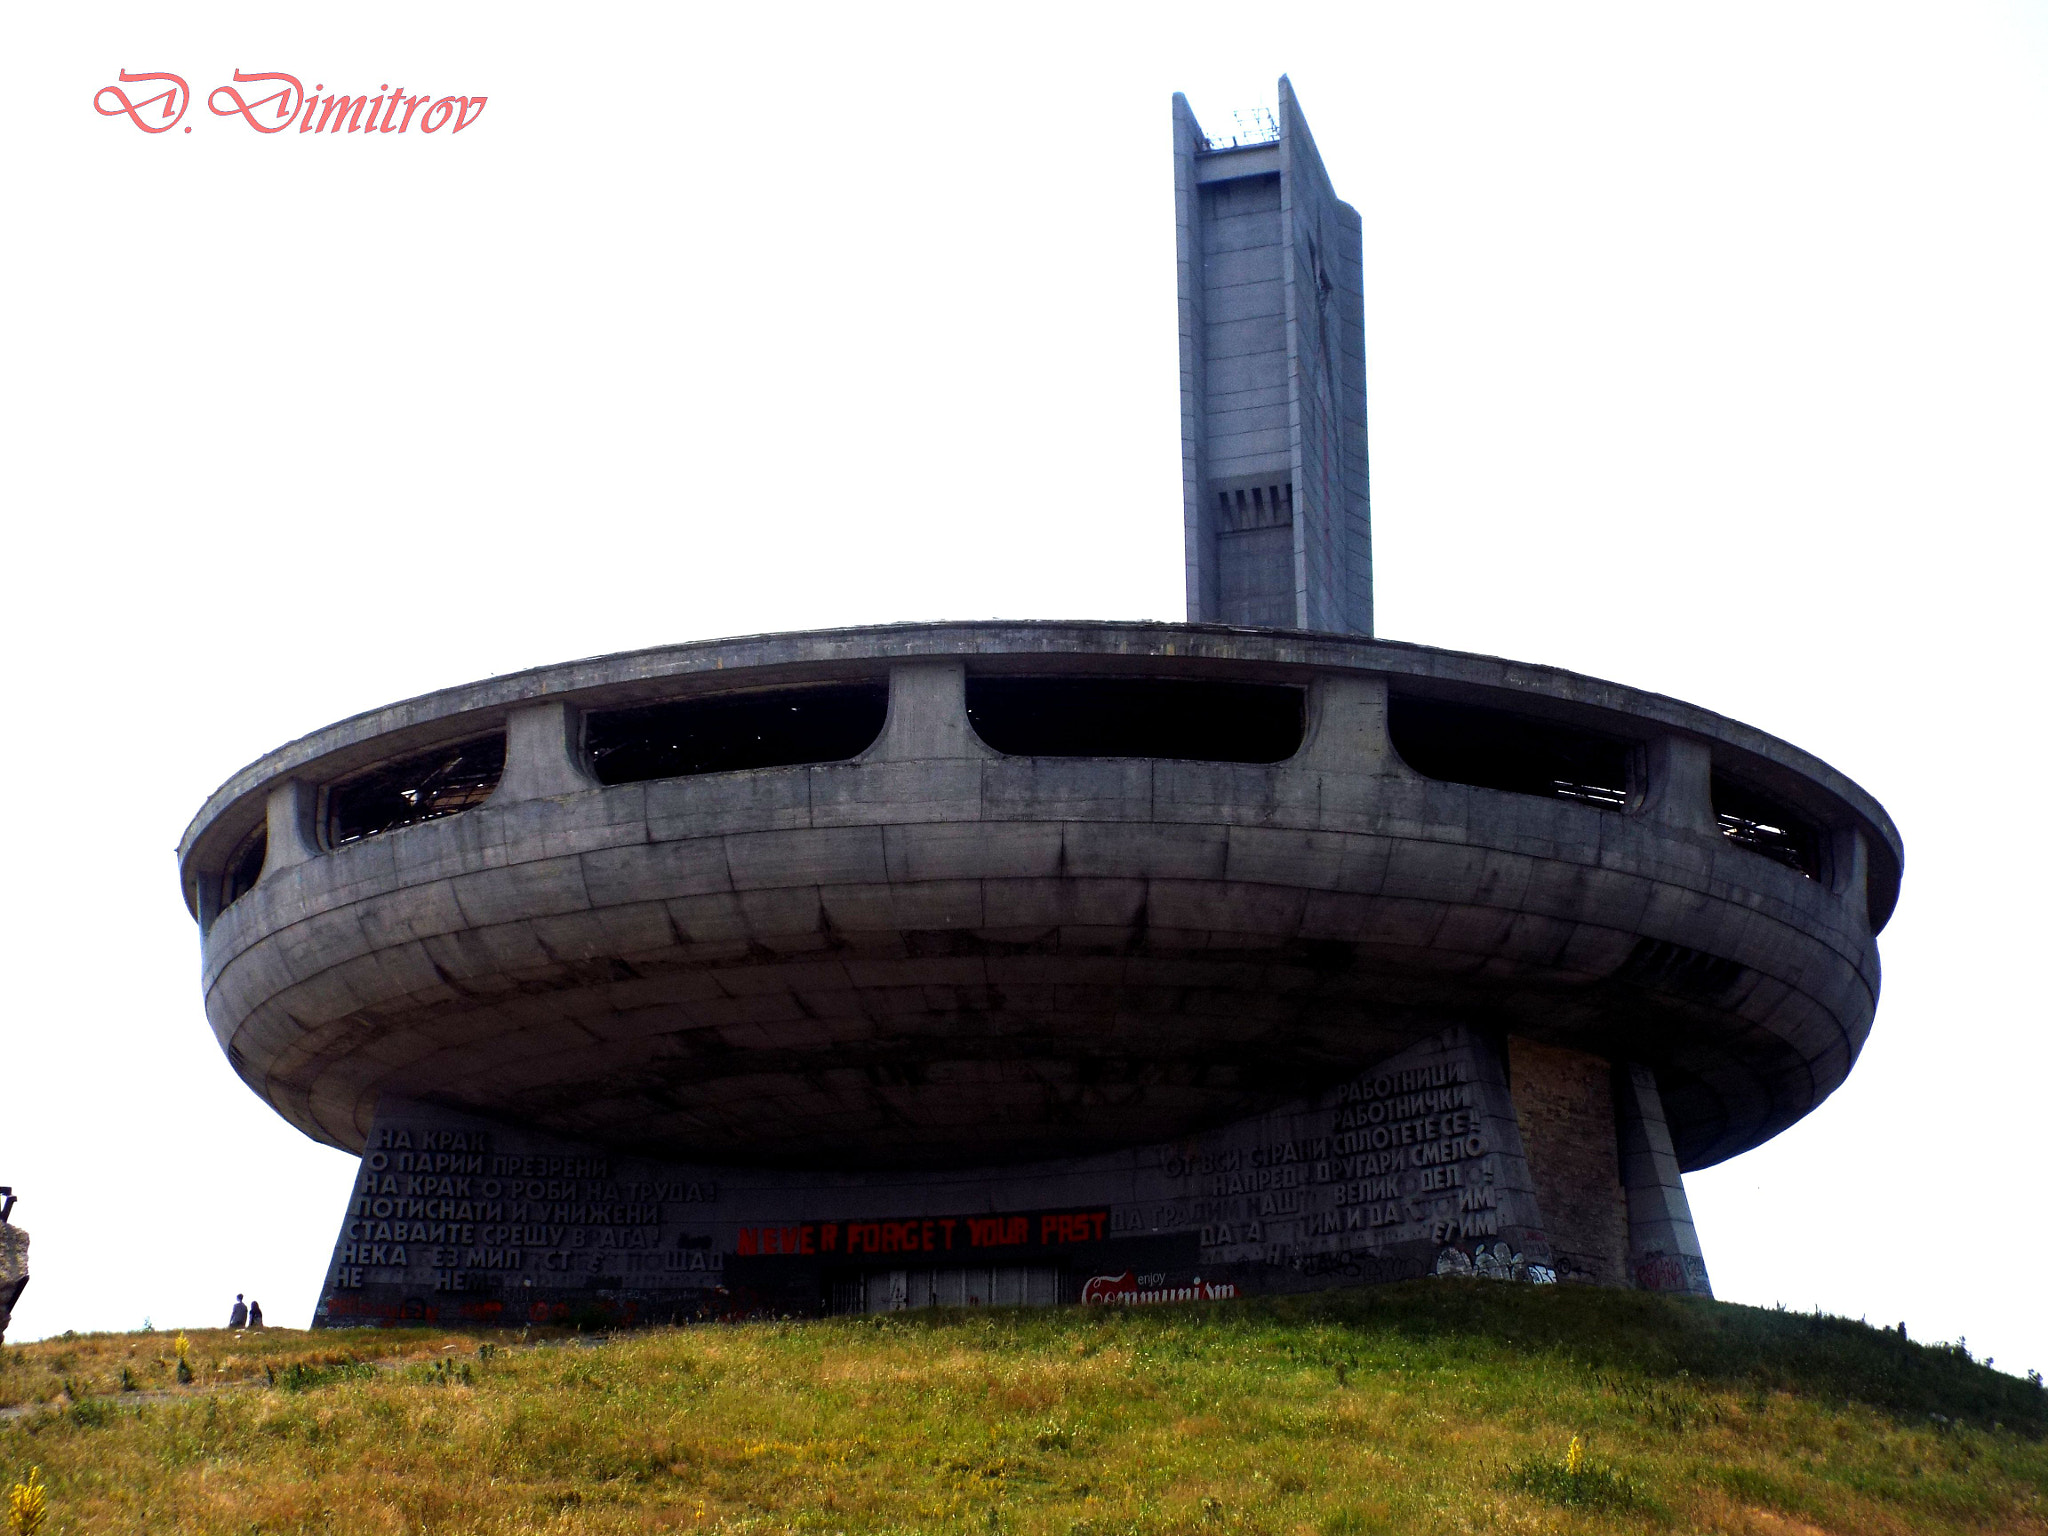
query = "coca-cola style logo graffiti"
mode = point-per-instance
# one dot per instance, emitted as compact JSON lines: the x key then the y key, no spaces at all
{"x":271,"y":101}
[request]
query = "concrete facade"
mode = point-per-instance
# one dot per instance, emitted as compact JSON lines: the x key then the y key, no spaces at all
{"x":1414,"y":1169}
{"x":1011,"y":957}
{"x":1272,"y":357}
{"x":937,"y":957}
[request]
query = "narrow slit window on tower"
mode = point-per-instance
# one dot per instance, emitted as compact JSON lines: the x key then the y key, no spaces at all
{"x":245,"y":864}
{"x":1192,"y":719}
{"x":1761,"y":821}
{"x":1496,"y":749}
{"x":423,"y":787}
{"x":780,"y":729}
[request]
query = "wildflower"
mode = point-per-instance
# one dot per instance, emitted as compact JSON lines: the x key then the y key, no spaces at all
{"x":25,"y":1505}
{"x":1575,"y":1458}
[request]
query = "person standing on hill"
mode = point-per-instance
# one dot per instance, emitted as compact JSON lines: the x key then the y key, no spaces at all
{"x":255,"y":1314}
{"x":239,"y":1317}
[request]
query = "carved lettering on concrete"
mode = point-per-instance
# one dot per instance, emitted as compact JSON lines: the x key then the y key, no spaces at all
{"x":1416,"y":1168}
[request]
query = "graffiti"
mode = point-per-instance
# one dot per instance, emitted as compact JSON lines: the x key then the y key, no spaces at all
{"x":1124,"y":1291}
{"x":1360,"y":1268}
{"x":1493,"y":1261}
{"x":1672,"y":1272}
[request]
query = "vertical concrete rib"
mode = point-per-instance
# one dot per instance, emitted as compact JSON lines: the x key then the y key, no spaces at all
{"x":1197,"y":521}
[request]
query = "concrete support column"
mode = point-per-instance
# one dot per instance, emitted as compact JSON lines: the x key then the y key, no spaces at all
{"x":1521,"y":1245}
{"x":1849,"y":866}
{"x":1664,"y":1249}
{"x":1347,"y":727}
{"x":543,"y":756}
{"x":1681,"y":790}
{"x":927,"y":715}
{"x":291,"y":826}
{"x":1564,"y":1105}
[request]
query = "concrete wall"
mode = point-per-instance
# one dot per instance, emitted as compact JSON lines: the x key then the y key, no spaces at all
{"x":1415,"y":1169}
{"x":1564,"y":1104}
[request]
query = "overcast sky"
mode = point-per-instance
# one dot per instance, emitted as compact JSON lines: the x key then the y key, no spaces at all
{"x":1708,"y":352}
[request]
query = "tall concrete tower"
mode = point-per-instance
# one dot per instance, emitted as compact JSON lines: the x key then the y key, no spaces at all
{"x":1272,"y":380}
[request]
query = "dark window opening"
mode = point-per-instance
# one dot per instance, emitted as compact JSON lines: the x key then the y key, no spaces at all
{"x":1136,"y":717}
{"x":1490,"y":748}
{"x":1768,"y":825}
{"x":757,"y":730}
{"x":245,"y":864}
{"x":424,"y":787}
{"x":1250,"y":507}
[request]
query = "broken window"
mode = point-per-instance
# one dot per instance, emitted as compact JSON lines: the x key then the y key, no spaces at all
{"x":779,"y":729}
{"x":423,"y":787}
{"x":1194,"y":719}
{"x":1759,"y":820}
{"x":1495,"y":749}
{"x":245,"y":864}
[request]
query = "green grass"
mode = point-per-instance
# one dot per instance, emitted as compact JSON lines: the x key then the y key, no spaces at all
{"x":1436,"y":1406}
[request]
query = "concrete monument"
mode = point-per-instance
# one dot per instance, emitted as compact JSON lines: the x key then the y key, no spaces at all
{"x":1048,"y":962}
{"x":13,"y":1260}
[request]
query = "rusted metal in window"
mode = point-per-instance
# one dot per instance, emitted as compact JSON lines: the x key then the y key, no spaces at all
{"x":245,"y":864}
{"x":1762,"y":822}
{"x":424,"y":787}
{"x":1496,"y":749}
{"x":780,"y":729}
{"x":1192,"y":719}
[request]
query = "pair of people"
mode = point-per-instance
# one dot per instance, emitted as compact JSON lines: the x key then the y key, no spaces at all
{"x":250,"y":1316}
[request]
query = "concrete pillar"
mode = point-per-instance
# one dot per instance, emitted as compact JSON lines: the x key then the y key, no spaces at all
{"x":291,"y":826}
{"x":1664,"y":1249}
{"x":927,"y":716}
{"x":1849,"y":869}
{"x":1680,"y":792}
{"x":1347,"y":727}
{"x":543,"y":754}
{"x":1564,"y":1106}
{"x":1522,"y":1249}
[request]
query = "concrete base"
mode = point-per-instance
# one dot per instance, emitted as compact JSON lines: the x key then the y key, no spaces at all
{"x":1417,"y":1168}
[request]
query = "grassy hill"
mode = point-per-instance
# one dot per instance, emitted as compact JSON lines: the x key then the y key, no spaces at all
{"x":1436,"y":1406}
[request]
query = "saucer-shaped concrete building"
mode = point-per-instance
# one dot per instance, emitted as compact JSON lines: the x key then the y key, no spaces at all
{"x":1023,"y":963}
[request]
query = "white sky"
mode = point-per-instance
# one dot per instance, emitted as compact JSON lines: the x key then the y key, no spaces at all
{"x":1706,"y":350}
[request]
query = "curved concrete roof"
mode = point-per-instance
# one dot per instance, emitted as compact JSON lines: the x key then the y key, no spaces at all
{"x":704,"y":666}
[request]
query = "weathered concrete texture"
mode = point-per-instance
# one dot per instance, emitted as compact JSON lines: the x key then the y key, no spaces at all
{"x":937,"y":955}
{"x":13,"y":1270}
{"x":1415,"y":1169}
{"x":1664,"y":1249}
{"x":1272,"y":350}
{"x":1564,"y":1103}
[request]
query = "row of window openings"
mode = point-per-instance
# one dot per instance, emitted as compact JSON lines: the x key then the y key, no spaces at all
{"x":1255,"y":506}
{"x":1042,"y":717}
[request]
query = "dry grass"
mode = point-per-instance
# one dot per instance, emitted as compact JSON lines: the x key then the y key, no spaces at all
{"x":92,"y":1364}
{"x":1436,"y":1407}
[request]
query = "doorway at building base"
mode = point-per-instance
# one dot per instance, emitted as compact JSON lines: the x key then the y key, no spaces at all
{"x":1466,"y":1155}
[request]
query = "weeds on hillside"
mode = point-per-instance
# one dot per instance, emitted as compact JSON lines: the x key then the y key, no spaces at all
{"x":1576,"y":1483}
{"x":300,"y":1377}
{"x":1425,"y":1407}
